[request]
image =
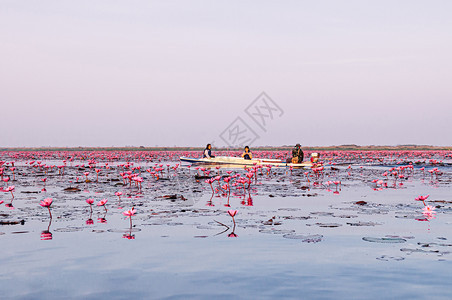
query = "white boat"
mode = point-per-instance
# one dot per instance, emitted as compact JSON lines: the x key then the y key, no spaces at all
{"x":238,"y":161}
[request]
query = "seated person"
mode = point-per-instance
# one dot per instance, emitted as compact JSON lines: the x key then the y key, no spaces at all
{"x":207,"y":152}
{"x":297,"y":154}
{"x":247,"y":154}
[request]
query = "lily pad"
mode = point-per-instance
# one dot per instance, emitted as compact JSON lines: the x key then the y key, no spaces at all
{"x":315,"y":238}
{"x":389,"y":240}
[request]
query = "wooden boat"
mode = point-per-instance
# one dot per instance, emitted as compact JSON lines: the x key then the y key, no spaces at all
{"x":238,"y":161}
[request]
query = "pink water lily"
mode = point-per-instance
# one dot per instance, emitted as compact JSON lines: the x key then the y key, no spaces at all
{"x":102,"y":203}
{"x":90,"y":202}
{"x":10,"y":189}
{"x":232,"y":213}
{"x":421,"y":198}
{"x":129,"y":214}
{"x":46,"y":203}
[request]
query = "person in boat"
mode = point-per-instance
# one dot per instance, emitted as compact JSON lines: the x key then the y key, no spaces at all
{"x":208,"y":152}
{"x":247,"y":153}
{"x":297,"y":154}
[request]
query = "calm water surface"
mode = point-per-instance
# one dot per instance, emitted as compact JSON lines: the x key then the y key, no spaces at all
{"x":291,"y":242}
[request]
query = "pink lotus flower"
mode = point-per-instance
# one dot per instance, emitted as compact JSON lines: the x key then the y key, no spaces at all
{"x":46,"y":202}
{"x":232,"y":213}
{"x":102,"y":203}
{"x":130,"y":213}
{"x":10,"y":189}
{"x":90,"y":202}
{"x":421,"y":198}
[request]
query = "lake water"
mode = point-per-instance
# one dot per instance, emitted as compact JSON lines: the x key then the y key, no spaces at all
{"x":293,"y":238}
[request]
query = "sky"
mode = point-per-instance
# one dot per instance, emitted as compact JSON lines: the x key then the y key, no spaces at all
{"x":188,"y":73}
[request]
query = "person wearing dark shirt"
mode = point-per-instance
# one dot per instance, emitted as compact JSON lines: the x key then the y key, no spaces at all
{"x":208,"y":152}
{"x":297,"y":154}
{"x":247,"y":153}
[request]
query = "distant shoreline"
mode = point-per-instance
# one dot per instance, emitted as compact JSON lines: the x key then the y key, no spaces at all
{"x":264,"y":148}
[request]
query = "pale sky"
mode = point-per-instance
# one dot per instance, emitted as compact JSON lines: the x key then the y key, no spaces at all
{"x":166,"y":73}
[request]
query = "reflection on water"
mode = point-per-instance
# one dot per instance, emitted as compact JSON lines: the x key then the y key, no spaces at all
{"x":102,"y":220}
{"x":330,"y":234}
{"x":129,"y":235}
{"x":46,"y":234}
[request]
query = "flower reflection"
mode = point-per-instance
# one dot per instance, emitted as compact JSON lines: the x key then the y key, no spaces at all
{"x":429,"y":212}
{"x":128,"y":236}
{"x":101,"y":220}
{"x":428,"y":209}
{"x":46,"y":234}
{"x":232,"y":234}
{"x":249,"y":201}
{"x":429,"y":216}
{"x":232,"y":213}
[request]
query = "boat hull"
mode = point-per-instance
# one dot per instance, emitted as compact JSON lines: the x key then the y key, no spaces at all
{"x":236,"y":161}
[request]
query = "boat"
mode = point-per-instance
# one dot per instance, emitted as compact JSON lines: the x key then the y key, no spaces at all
{"x":238,"y":161}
